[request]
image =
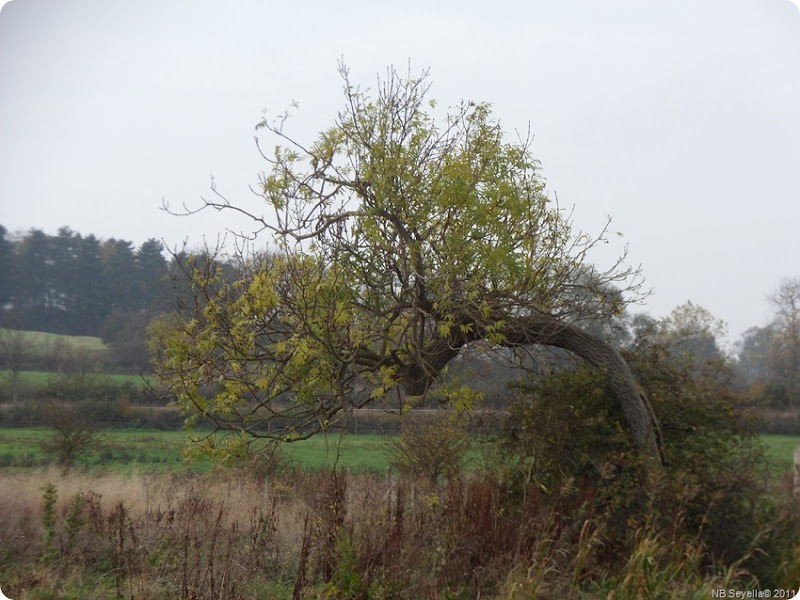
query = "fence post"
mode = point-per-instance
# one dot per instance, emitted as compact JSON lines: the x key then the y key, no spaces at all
{"x":797,"y":470}
{"x":391,"y":489}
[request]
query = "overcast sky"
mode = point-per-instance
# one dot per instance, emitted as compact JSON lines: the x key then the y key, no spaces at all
{"x":680,"y":119}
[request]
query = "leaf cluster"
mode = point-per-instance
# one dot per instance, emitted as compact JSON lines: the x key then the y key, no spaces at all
{"x":402,"y":237}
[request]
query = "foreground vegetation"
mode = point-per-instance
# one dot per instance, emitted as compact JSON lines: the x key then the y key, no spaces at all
{"x":228,"y":534}
{"x":321,"y":519}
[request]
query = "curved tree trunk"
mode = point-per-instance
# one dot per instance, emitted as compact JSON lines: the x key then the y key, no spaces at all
{"x":633,"y":401}
{"x":548,"y":331}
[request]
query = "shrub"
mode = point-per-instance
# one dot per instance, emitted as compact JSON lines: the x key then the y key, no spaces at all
{"x":73,"y":434}
{"x":565,"y":432}
{"x":82,"y":386}
{"x":430,"y":447}
{"x":268,"y":465}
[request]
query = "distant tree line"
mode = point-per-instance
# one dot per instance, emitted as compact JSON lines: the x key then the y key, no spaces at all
{"x":72,"y":284}
{"x":769,"y":356}
{"x":82,"y":285}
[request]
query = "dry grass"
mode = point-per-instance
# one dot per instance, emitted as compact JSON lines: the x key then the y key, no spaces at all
{"x":146,"y":536}
{"x":232,"y":535}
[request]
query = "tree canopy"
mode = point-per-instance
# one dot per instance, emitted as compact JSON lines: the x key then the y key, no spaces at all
{"x":400,"y":239}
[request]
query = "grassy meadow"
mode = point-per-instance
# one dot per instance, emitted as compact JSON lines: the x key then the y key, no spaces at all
{"x":780,"y":450}
{"x":140,"y":449}
{"x":230,"y":535}
{"x":41,"y":378}
{"x":133,"y":520}
{"x":40,"y":343}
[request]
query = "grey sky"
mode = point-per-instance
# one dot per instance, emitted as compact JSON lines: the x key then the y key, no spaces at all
{"x":680,"y":119}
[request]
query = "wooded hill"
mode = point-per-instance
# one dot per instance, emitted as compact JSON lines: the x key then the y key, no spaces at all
{"x":71,"y":284}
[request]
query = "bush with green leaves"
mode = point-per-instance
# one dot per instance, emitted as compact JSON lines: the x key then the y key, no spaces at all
{"x":73,"y":434}
{"x":565,"y":432}
{"x":433,"y":447}
{"x":563,"y":426}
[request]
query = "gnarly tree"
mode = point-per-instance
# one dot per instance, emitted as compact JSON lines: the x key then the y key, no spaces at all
{"x":400,"y":240}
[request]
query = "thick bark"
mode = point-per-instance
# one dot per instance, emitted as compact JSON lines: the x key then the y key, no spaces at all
{"x":633,"y":401}
{"x":550,"y":332}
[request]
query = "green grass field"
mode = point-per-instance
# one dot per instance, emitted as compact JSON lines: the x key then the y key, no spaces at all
{"x":118,"y":449}
{"x":126,"y":449}
{"x":780,"y":449}
{"x":41,"y":343}
{"x":39,"y":378}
